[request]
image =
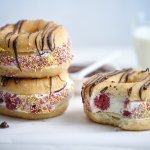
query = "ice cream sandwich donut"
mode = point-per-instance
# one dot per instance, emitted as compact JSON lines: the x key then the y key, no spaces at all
{"x":34,"y":49}
{"x":35,"y":98}
{"x":119,"y":98}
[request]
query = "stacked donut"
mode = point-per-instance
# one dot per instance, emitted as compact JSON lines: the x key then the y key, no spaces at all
{"x":34,"y":58}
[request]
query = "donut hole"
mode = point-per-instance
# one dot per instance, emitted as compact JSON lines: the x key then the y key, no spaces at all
{"x":32,"y":26}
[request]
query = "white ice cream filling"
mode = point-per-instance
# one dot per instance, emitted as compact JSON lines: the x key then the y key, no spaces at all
{"x":117,"y":104}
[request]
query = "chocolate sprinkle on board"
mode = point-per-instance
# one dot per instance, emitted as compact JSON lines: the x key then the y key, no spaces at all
{"x":4,"y":125}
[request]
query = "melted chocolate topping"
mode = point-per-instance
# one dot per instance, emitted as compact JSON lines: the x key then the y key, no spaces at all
{"x":50,"y":84}
{"x":29,"y":40}
{"x":130,"y":91}
{"x":144,"y":87}
{"x":17,"y":30}
{"x":43,"y":35}
{"x":51,"y":41}
{"x":104,"y":77}
{"x":125,"y":75}
{"x":36,"y":44}
{"x":98,"y":78}
{"x":104,"y":89}
{"x":16,"y":53}
{"x":147,"y":70}
{"x":61,"y":88}
{"x":4,"y":80}
{"x":61,"y":78}
{"x":4,"y":27}
{"x":7,"y":35}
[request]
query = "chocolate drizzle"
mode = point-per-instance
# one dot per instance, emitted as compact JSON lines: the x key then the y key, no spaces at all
{"x":16,"y":30}
{"x":5,"y":80}
{"x":61,"y":88}
{"x":101,"y":78}
{"x":50,"y":41}
{"x":61,"y":78}
{"x":50,"y":84}
{"x":98,"y":78}
{"x":129,"y":91}
{"x":125,"y":75}
{"x":104,"y":89}
{"x":144,"y":87}
{"x":43,"y":35}
{"x":18,"y":26}
{"x":36,"y":44}
{"x":29,"y":40}
{"x":15,"y":52}
{"x":147,"y":70}
{"x":7,"y":35}
{"x":4,"y":27}
{"x":49,"y":28}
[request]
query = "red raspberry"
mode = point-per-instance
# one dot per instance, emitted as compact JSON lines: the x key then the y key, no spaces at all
{"x":102,"y":102}
{"x":12,"y":103}
{"x":35,"y":109}
{"x":1,"y":97}
{"x":1,"y":100}
{"x":126,"y":113}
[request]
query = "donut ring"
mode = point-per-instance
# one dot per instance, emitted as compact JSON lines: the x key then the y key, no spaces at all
{"x":119,"y":98}
{"x":47,"y":97}
{"x":34,"y":48}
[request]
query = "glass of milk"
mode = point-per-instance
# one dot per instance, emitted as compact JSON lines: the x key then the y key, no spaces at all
{"x":141,"y":41}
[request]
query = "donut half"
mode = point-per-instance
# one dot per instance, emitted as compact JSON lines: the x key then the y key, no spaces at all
{"x":35,"y":98}
{"x":119,"y":98}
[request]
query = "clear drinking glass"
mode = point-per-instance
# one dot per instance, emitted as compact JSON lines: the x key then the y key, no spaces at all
{"x":141,"y":40}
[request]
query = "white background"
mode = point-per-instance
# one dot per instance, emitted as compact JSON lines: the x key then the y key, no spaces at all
{"x":105,"y":23}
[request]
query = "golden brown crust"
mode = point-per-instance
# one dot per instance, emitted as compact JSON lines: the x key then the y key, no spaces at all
{"x":32,"y":35}
{"x":34,"y":86}
{"x":115,"y":120}
{"x":35,"y":106}
{"x":60,"y":109}
{"x":128,"y":83}
{"x":13,"y":71}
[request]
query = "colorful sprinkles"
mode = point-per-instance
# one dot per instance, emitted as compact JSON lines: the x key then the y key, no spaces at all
{"x":59,"y":56}
{"x":141,"y":111}
{"x":35,"y":103}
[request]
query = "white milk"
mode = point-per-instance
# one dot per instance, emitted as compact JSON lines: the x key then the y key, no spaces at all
{"x":141,"y":37}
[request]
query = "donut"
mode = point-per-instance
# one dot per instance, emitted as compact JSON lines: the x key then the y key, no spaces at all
{"x":119,"y":98}
{"x":31,"y":98}
{"x":34,"y":49}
